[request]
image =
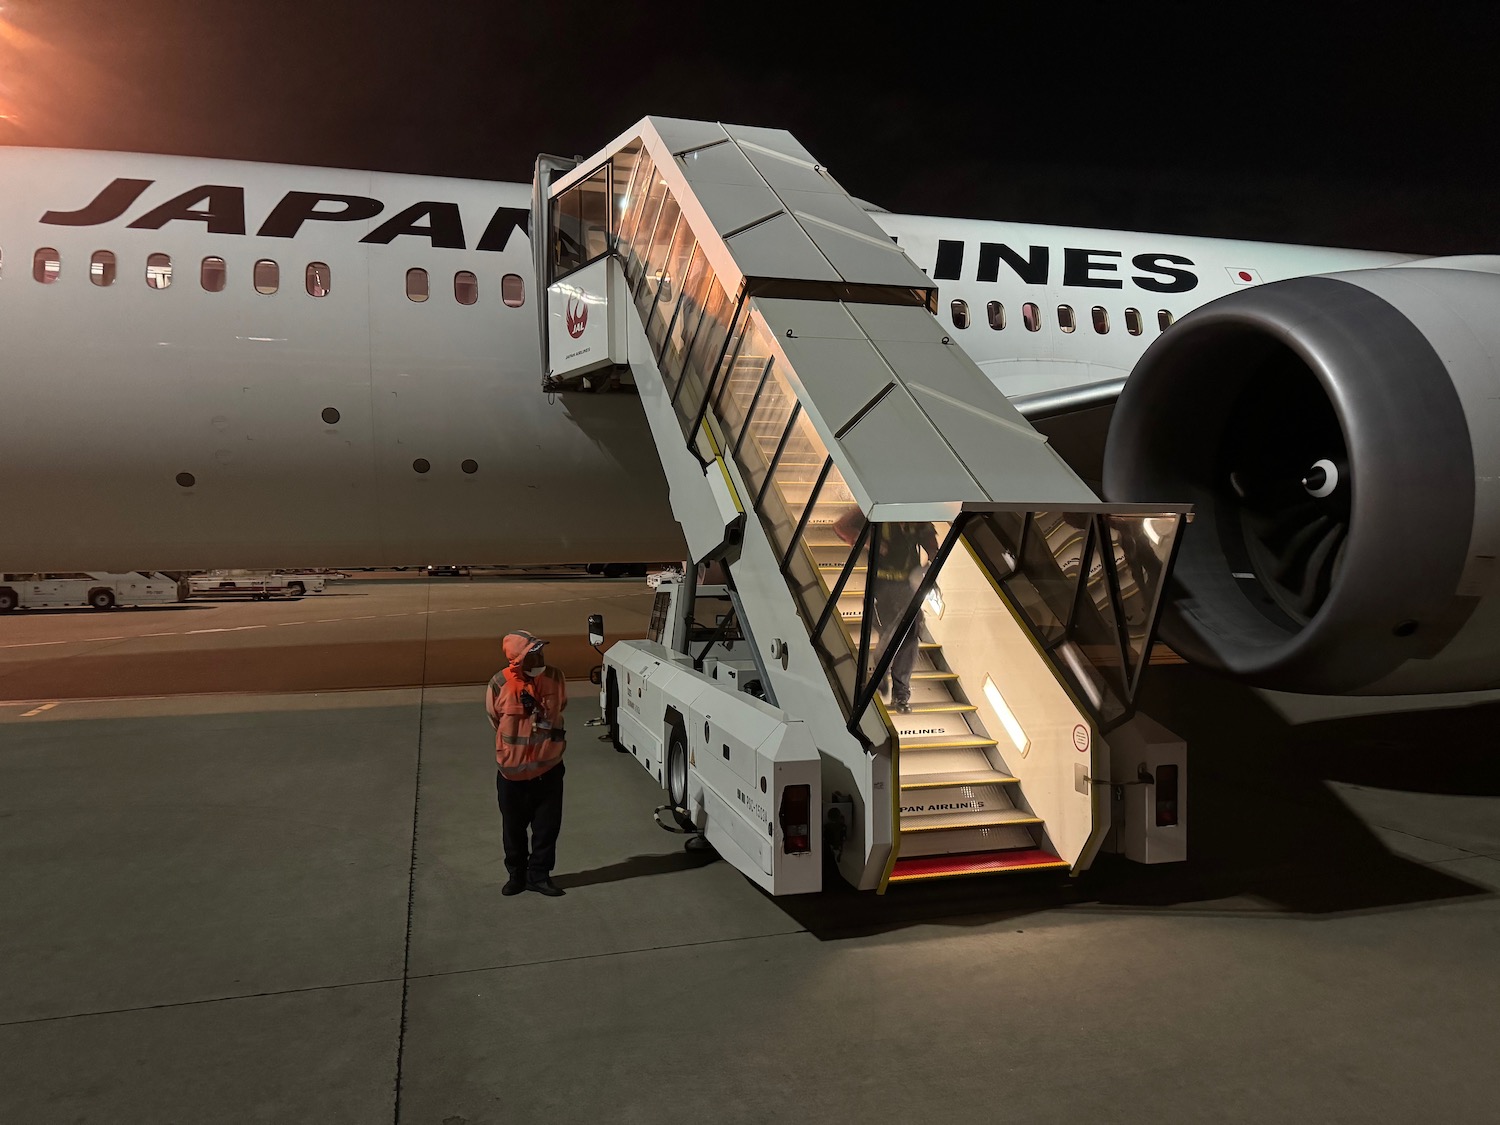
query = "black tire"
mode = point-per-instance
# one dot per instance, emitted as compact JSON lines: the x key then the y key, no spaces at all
{"x":9,"y":600}
{"x":297,"y":589}
{"x":612,"y":711}
{"x":101,"y":600}
{"x":677,"y":775}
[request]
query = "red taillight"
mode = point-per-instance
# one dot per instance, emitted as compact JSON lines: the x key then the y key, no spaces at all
{"x":1166,"y":796}
{"x":796,"y":819}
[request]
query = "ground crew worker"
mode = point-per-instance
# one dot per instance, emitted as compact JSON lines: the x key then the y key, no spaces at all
{"x":896,"y":579}
{"x":525,"y":702}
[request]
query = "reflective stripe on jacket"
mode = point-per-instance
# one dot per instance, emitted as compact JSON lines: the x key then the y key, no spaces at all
{"x":529,"y":740}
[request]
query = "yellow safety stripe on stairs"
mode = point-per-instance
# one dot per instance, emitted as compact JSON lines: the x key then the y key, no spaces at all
{"x":953,"y":708}
{"x":713,"y":444}
{"x":1020,"y":821}
{"x":961,"y":780}
{"x":1061,"y":863}
{"x":955,"y":744}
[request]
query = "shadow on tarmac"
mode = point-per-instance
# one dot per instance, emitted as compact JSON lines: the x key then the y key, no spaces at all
{"x":638,"y":866}
{"x":1269,"y":833}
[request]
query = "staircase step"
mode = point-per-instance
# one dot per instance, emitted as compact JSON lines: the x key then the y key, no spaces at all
{"x":934,"y":675}
{"x":949,"y":708}
{"x":967,"y":838}
{"x":949,"y":769}
{"x":929,"y":691}
{"x":975,"y":863}
{"x":929,"y":646}
{"x":943,"y":820}
{"x":950,"y":729}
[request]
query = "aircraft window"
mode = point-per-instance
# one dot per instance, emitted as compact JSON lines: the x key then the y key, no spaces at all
{"x":513,"y":290}
{"x":1133,"y":321}
{"x":159,"y":271}
{"x":212,"y":274}
{"x":465,"y":287}
{"x":996,"y":312}
{"x":102,"y":267}
{"x":1163,"y":319}
{"x":960,"y":314}
{"x":1101,"y":319}
{"x":1032,"y":316}
{"x":267,"y":276}
{"x":46,"y":265}
{"x":1065,"y":319}
{"x":416,"y":284}
{"x":319,"y":279}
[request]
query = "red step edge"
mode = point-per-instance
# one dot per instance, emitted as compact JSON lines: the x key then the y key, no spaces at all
{"x":975,"y":863}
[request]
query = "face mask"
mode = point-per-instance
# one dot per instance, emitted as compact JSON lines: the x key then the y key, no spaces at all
{"x":535,"y":671}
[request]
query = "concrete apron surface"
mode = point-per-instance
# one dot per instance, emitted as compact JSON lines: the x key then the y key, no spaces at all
{"x":287,"y":909}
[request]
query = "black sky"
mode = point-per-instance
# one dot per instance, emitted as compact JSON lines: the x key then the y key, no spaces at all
{"x":1358,"y":124}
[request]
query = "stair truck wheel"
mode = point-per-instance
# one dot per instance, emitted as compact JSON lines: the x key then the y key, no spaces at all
{"x":297,"y":589}
{"x":677,"y":778}
{"x":8,"y":599}
{"x":101,"y":600}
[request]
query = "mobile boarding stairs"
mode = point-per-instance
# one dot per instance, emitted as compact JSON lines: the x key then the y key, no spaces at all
{"x":794,"y":377}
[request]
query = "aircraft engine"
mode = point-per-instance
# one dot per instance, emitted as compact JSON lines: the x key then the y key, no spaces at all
{"x":1340,"y":438}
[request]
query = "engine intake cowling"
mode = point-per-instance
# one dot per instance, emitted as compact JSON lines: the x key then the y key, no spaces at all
{"x":1339,"y":437}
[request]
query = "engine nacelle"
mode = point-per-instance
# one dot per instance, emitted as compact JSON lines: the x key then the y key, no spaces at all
{"x":1340,"y":439}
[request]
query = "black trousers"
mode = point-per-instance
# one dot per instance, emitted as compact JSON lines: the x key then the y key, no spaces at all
{"x":535,"y":804}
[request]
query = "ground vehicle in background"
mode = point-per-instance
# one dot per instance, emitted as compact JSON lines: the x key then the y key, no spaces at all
{"x":259,"y":585}
{"x":455,"y":571}
{"x":97,"y":590}
{"x":617,"y":570}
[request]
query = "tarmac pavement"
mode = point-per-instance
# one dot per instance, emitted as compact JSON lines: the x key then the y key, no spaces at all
{"x":285,"y":907}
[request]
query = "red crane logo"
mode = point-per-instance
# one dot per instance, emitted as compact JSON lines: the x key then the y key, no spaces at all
{"x":578,"y":317}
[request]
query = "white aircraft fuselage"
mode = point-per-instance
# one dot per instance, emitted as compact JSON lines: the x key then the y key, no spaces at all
{"x":338,"y":422}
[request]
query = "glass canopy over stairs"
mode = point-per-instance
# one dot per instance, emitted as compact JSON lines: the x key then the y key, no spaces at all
{"x":912,"y":516}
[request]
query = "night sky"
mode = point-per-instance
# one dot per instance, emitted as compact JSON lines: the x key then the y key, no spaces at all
{"x":1355,"y":124}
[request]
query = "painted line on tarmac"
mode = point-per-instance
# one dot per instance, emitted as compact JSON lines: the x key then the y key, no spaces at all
{"x":322,"y":621}
{"x":39,"y":710}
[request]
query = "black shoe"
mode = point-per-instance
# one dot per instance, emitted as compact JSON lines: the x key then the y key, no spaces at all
{"x":513,"y":886}
{"x":546,"y":887}
{"x":903,"y":708}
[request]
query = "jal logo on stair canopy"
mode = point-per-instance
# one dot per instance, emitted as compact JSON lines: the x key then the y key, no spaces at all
{"x":221,"y":210}
{"x":577,"y":317}
{"x":1091,"y":269}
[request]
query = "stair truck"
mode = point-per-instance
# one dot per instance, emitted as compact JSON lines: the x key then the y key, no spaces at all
{"x":809,"y":412}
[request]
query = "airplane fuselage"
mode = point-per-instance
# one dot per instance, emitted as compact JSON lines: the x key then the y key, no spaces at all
{"x":213,"y":363}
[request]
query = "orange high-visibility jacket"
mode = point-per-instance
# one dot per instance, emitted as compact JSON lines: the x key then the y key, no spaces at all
{"x":529,"y":735}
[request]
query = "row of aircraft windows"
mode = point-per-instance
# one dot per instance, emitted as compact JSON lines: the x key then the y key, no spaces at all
{"x":213,"y":274}
{"x":1031,"y":316}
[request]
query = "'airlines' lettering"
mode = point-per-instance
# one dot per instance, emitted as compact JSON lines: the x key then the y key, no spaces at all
{"x":1178,"y":281}
{"x":1078,"y":267}
{"x":1032,"y":270}
{"x":1082,"y":268}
